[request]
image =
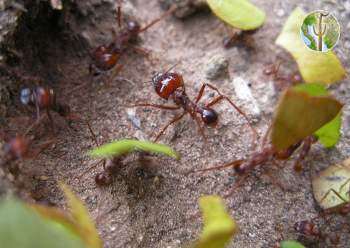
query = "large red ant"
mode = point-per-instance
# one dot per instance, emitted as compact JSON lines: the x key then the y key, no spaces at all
{"x":171,"y":85}
{"x":105,"y":57}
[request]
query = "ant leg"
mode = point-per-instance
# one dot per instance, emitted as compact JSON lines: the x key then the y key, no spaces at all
{"x":264,"y":140}
{"x":273,"y":70}
{"x":222,"y":97}
{"x":308,"y":141}
{"x":177,"y":118}
{"x":154,"y":106}
{"x":119,"y":13}
{"x":220,"y":167}
{"x":168,"y":12}
{"x":93,"y":166}
{"x":200,"y":127}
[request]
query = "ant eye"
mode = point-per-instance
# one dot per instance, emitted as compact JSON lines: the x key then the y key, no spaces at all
{"x":25,"y":96}
{"x":209,"y":116}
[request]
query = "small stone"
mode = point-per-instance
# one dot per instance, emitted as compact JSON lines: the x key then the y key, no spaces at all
{"x":136,"y":122}
{"x":217,"y":67}
{"x":280,"y":13}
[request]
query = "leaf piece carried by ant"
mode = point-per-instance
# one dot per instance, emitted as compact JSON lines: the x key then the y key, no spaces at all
{"x":320,"y":67}
{"x":20,"y":226}
{"x":77,"y":221}
{"x":291,"y":244}
{"x":239,"y":14}
{"x":122,"y":147}
{"x":329,"y":134}
{"x":218,"y":225}
{"x":299,"y":115}
{"x":331,"y":186}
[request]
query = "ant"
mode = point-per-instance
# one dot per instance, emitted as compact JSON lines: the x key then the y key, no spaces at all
{"x":110,"y":166}
{"x":105,"y":57}
{"x":243,"y":167}
{"x":43,"y":98}
{"x":18,"y":148}
{"x":284,"y":80}
{"x":240,"y":37}
{"x":171,"y":85}
{"x":309,"y":228}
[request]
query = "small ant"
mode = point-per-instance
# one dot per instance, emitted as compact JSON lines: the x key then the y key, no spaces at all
{"x":284,"y":80}
{"x":43,"y":98}
{"x":171,"y":85}
{"x":243,"y":167}
{"x":105,"y":57}
{"x":309,"y":228}
{"x":240,"y":37}
{"x":18,"y":148}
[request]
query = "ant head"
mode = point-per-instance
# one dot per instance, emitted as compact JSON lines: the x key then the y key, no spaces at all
{"x":209,"y":116}
{"x":156,"y":78}
{"x":103,"y":179}
{"x":26,"y":96}
{"x":133,"y":27}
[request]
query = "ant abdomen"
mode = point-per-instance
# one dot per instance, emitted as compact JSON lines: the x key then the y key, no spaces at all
{"x":165,"y":84}
{"x":104,"y":58}
{"x":209,"y":116}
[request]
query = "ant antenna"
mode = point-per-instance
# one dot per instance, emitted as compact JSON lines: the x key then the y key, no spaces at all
{"x":172,"y":67}
{"x":168,"y":12}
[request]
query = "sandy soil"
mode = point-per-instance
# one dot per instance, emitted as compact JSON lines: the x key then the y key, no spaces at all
{"x":154,"y":204}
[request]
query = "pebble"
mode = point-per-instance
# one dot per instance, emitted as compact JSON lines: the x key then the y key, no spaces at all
{"x":217,"y":67}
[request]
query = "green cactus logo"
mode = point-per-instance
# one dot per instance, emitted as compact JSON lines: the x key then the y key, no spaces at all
{"x":320,"y":31}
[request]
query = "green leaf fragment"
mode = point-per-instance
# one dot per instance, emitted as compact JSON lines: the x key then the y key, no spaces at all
{"x":319,"y":67}
{"x":122,"y":147}
{"x":329,"y":134}
{"x":239,"y":14}
{"x":20,"y":226}
{"x":291,"y":244}
{"x":331,"y":186}
{"x":218,"y":227}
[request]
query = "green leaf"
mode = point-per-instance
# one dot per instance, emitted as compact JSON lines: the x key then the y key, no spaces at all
{"x":291,"y":244}
{"x":239,"y":14}
{"x":299,"y":115}
{"x":319,"y":67}
{"x":331,"y":186}
{"x":20,"y":226}
{"x":218,"y":227}
{"x":121,"y":147}
{"x":329,"y":134}
{"x":83,"y":223}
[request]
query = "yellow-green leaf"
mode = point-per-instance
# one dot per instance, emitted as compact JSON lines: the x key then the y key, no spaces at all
{"x":291,"y":244}
{"x":218,"y":226}
{"x":239,"y":14}
{"x":315,"y":67}
{"x":20,"y":226}
{"x":329,"y":134}
{"x":82,"y":220}
{"x":121,"y":147}
{"x":299,"y":115}
{"x":330,"y":182}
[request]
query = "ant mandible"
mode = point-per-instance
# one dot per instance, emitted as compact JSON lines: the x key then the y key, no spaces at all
{"x":171,"y":85}
{"x":105,"y":57}
{"x":43,"y":98}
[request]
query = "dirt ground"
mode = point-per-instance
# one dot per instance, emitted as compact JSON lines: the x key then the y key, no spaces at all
{"x":155,"y":204}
